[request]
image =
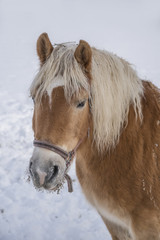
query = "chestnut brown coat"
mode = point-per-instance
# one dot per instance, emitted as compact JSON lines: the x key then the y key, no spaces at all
{"x":80,"y":89}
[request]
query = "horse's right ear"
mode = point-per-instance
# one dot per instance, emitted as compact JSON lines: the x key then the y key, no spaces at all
{"x":83,"y":55}
{"x":44,"y":47}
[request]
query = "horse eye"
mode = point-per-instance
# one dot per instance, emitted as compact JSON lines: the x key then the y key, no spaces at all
{"x":81,"y":104}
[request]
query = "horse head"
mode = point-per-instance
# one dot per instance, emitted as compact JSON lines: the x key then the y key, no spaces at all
{"x":61,"y":109}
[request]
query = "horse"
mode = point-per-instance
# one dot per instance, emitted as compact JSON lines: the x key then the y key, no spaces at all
{"x":91,"y":107}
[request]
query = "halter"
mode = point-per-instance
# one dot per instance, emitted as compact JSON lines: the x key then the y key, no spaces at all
{"x":68,"y":156}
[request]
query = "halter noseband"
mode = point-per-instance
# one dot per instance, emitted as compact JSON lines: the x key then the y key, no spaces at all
{"x":68,"y":156}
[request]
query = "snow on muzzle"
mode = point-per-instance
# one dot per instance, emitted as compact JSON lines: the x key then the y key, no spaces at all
{"x":47,"y":169}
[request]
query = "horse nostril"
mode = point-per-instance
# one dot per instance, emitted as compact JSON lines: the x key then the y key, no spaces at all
{"x":52,"y":173}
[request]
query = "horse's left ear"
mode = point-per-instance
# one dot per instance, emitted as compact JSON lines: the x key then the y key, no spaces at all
{"x":83,"y":55}
{"x":44,"y":47}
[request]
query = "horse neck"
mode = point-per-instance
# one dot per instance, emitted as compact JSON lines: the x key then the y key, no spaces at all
{"x":89,"y":149}
{"x":132,"y":135}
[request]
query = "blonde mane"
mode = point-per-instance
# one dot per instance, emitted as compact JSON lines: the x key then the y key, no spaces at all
{"x":114,"y":87}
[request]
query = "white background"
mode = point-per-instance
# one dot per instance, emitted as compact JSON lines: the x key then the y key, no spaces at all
{"x":131,"y":29}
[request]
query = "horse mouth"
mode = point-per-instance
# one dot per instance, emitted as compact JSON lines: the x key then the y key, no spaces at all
{"x":59,"y":186}
{"x":56,"y":188}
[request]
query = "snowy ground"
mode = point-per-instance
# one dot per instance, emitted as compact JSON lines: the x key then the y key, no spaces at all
{"x":131,"y":29}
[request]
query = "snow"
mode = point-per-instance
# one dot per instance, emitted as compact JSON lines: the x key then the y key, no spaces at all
{"x":131,"y":29}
